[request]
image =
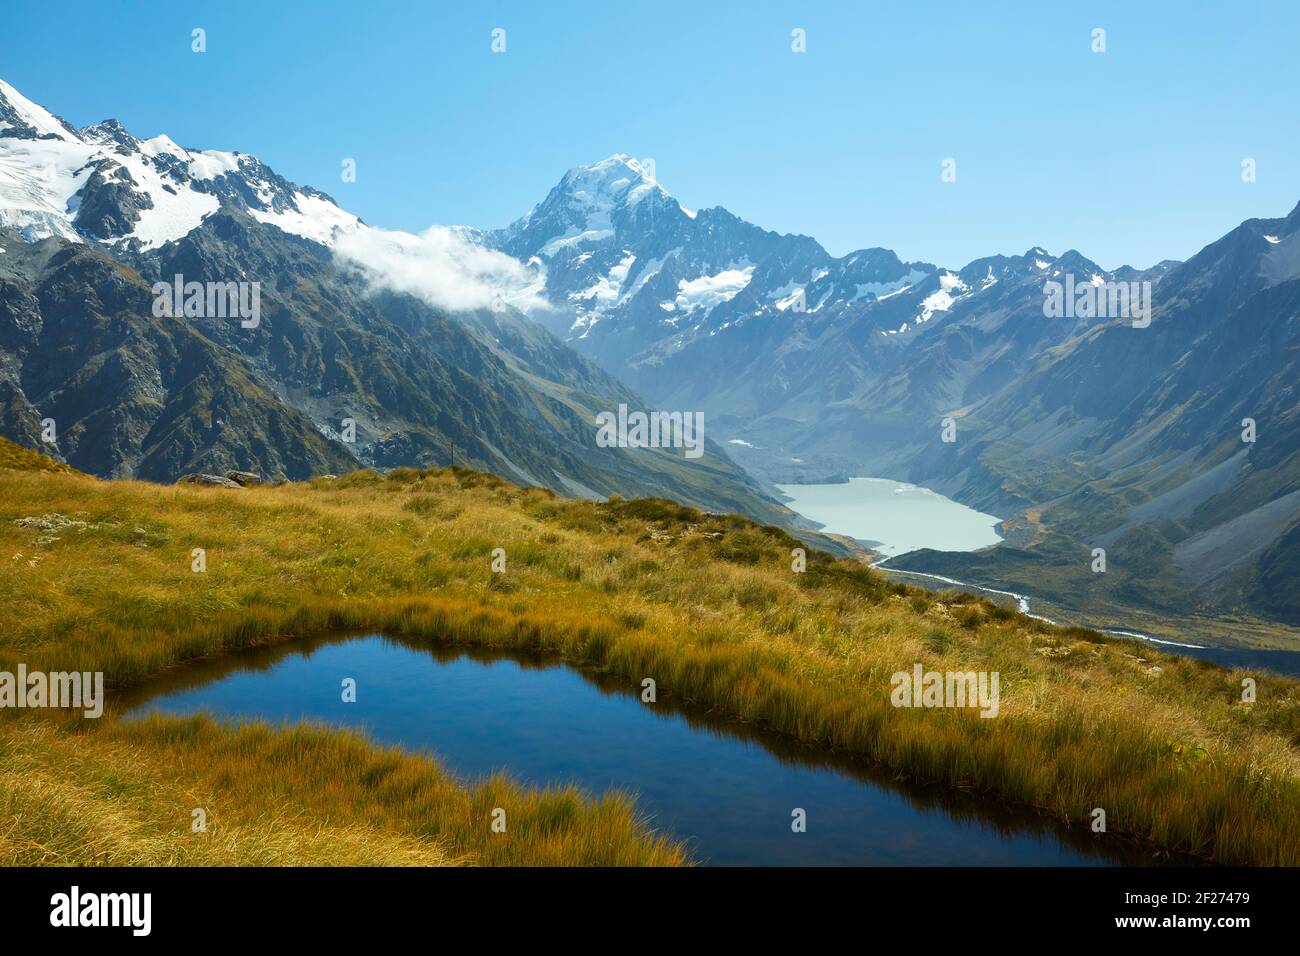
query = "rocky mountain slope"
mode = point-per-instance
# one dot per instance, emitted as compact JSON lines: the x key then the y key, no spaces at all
{"x":334,"y":372}
{"x":1175,"y":447}
{"x":1084,"y":428}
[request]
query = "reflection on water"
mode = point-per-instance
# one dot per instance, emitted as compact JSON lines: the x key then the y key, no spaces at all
{"x":725,"y":788}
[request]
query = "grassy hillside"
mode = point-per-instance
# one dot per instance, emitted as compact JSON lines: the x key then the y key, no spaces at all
{"x":124,"y":795}
{"x":1138,"y":592}
{"x":18,"y":458}
{"x":707,"y":605}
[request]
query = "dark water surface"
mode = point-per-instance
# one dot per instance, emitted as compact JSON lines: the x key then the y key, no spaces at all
{"x":719,"y":785}
{"x":1286,"y":663}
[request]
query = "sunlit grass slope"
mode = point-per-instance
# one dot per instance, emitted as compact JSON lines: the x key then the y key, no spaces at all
{"x":708,"y":606}
{"x":126,"y":794}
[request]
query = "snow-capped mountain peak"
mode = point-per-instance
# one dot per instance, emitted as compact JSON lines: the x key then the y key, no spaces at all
{"x":618,"y":180}
{"x":629,"y":271}
{"x":19,"y":116}
{"x":104,"y":184}
{"x":589,"y":206}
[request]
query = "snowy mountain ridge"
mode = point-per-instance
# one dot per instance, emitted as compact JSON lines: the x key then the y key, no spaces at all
{"x":103,"y":183}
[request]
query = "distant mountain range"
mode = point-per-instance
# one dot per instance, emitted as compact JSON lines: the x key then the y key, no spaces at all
{"x":1083,"y":430}
{"x":91,"y":219}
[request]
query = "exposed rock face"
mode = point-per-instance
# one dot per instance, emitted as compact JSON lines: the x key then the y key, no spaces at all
{"x":216,"y":481}
{"x":131,"y":395}
{"x":112,"y":204}
{"x":245,"y":479}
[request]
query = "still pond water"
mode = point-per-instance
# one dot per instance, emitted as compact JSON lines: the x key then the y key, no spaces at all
{"x":726,"y":790}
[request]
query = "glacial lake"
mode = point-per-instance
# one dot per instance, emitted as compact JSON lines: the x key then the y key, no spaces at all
{"x":724,"y":788}
{"x":893,"y":517}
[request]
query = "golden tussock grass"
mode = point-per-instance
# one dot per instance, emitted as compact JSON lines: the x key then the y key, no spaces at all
{"x":706,"y":605}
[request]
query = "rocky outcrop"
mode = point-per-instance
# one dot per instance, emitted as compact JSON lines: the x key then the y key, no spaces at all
{"x":215,"y":481}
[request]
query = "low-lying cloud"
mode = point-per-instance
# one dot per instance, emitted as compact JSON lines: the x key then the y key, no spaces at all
{"x":442,"y":267}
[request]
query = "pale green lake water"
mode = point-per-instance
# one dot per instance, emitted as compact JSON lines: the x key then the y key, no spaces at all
{"x":892,"y":516}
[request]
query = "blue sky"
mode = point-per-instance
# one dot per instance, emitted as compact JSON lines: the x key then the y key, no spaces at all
{"x":1132,"y":155}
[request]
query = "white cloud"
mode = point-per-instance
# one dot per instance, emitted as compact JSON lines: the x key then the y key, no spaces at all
{"x":708,"y":291}
{"x":443,"y":268}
